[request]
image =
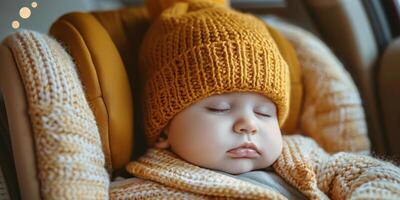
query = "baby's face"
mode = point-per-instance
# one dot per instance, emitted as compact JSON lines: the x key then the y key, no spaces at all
{"x":233,"y":132}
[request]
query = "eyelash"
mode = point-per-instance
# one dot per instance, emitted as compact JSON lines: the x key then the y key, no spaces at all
{"x":264,"y":115}
{"x":224,"y":110}
{"x":217,"y":110}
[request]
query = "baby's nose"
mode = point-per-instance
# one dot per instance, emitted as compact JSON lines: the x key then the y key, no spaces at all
{"x":245,"y":126}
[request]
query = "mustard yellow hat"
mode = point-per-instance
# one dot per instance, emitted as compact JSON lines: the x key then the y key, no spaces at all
{"x":198,"y":48}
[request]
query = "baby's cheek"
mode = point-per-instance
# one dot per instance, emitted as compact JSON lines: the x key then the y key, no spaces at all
{"x":190,"y":146}
{"x":209,"y":153}
{"x":274,"y":152}
{"x":271,"y":148}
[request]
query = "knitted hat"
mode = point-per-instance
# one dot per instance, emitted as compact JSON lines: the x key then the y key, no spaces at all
{"x":198,"y":48}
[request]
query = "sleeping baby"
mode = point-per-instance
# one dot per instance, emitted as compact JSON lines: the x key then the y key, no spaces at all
{"x":216,"y":95}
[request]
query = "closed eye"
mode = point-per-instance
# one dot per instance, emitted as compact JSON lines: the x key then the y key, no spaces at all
{"x":218,"y":110}
{"x":263,"y":114}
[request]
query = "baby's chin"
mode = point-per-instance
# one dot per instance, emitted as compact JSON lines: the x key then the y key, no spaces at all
{"x":240,"y":167}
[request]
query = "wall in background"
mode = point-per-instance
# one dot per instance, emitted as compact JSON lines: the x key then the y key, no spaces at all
{"x":46,"y":12}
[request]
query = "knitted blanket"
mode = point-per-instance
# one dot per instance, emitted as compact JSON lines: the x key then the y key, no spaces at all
{"x":302,"y":164}
{"x":332,"y":109}
{"x":70,"y":161}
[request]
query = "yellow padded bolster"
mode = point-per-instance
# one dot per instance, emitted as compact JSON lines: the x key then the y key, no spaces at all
{"x":296,"y":87}
{"x":105,"y":81}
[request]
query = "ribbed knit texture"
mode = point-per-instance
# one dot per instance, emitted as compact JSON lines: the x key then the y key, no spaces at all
{"x":197,"y":49}
{"x":302,"y":164}
{"x":70,"y":161}
{"x":167,"y":170}
{"x":332,"y":110}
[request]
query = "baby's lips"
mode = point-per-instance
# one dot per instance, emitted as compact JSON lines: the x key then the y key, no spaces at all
{"x":243,"y":152}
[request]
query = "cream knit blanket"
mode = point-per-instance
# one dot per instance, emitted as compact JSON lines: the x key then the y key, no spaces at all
{"x":70,"y":161}
{"x":332,"y":109}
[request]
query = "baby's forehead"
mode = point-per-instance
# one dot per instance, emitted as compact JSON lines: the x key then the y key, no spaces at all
{"x":239,"y":97}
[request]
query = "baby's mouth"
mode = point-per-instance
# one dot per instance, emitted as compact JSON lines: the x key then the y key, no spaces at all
{"x":246,"y":150}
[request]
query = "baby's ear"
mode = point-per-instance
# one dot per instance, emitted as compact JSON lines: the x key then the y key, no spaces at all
{"x":162,"y":142}
{"x":166,"y":128}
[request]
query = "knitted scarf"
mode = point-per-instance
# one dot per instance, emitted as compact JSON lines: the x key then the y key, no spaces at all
{"x":303,"y":164}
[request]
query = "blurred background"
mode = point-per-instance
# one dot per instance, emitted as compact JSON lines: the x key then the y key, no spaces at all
{"x":40,"y":16}
{"x":46,"y":12}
